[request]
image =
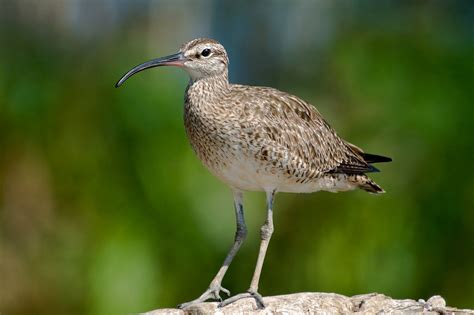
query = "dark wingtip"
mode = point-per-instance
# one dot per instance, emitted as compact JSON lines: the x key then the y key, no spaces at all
{"x":374,"y":158}
{"x":373,"y":169}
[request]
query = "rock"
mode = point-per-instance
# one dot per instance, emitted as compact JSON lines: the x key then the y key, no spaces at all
{"x":322,"y":303}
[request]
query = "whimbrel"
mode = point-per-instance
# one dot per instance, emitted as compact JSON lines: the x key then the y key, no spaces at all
{"x":258,"y":139}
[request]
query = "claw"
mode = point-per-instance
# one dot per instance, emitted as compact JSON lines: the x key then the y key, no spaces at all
{"x":249,"y":294}
{"x":225,"y":291}
{"x":211,"y":293}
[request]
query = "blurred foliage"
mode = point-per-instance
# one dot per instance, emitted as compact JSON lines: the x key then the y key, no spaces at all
{"x":104,"y":209}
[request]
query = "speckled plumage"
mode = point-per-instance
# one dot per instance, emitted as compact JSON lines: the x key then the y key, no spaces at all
{"x":258,"y":138}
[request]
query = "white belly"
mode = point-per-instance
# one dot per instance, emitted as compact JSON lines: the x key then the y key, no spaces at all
{"x":253,"y":176}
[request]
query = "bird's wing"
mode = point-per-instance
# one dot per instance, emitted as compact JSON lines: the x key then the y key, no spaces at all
{"x":287,"y":127}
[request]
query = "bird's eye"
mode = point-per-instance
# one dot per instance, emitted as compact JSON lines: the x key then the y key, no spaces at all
{"x":206,"y":52}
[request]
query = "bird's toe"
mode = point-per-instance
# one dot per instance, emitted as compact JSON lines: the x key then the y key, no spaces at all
{"x":212,"y":292}
{"x":249,"y":294}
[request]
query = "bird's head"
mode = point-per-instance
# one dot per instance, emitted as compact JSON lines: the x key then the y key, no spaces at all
{"x":201,"y":58}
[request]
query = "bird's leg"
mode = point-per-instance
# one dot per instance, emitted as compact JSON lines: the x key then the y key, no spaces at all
{"x":215,"y":287}
{"x":266,"y":232}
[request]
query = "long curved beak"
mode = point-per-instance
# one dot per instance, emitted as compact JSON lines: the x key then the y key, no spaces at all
{"x":177,"y":59}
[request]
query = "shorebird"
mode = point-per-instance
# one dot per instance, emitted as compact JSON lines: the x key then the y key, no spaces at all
{"x":258,"y":139}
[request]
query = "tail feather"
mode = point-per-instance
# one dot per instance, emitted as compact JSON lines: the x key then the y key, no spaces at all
{"x":372,"y":187}
{"x":365,"y":183}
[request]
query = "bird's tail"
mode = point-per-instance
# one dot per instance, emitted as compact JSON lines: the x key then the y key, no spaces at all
{"x":365,"y":183}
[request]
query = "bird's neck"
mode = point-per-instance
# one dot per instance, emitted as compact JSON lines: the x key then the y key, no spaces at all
{"x":208,"y":88}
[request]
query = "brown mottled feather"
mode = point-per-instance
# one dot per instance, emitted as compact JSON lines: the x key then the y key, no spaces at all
{"x":293,"y":125}
{"x":283,"y":137}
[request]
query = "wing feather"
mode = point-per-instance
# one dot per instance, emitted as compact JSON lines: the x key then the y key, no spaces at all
{"x":291,"y":132}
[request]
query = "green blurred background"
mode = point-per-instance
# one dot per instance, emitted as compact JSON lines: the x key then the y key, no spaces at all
{"x":104,"y":208}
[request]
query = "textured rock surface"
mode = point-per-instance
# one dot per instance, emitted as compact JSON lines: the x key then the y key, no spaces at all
{"x":323,"y":303}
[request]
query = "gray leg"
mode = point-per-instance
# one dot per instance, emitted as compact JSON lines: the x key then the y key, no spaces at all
{"x":215,"y":287}
{"x":265,"y":234}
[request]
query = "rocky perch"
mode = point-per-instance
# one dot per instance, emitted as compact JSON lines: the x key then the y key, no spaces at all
{"x":322,"y":303}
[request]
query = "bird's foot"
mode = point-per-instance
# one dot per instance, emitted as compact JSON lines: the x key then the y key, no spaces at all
{"x":249,"y":294}
{"x":212,"y":293}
